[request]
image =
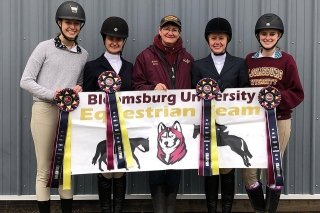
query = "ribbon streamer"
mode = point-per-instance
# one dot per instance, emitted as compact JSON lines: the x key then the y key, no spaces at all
{"x":207,"y":89}
{"x":125,"y":138}
{"x":269,"y":98}
{"x":66,"y":100}
{"x":109,"y":136}
{"x":67,"y":158}
{"x":117,"y":136}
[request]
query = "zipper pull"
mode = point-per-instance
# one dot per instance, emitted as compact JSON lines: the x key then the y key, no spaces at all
{"x":172,"y":69}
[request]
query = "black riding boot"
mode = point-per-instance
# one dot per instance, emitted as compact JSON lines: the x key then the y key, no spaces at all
{"x":227,"y":191}
{"x":104,"y":191}
{"x":257,"y":198}
{"x":119,"y":192}
{"x":211,"y":187}
{"x":66,"y":205}
{"x":158,"y":198}
{"x":171,"y":196}
{"x":44,"y":206}
{"x":272,"y":199}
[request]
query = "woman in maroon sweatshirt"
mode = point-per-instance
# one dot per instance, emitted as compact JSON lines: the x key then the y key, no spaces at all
{"x":271,"y":66}
{"x":164,"y":65}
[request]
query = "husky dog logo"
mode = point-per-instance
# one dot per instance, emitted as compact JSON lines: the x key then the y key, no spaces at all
{"x":171,"y":144}
{"x":237,"y":144}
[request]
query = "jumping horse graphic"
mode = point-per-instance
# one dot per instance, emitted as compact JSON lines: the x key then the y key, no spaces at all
{"x":237,"y":144}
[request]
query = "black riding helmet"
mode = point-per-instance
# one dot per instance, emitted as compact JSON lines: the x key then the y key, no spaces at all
{"x":218,"y":25}
{"x":70,"y":10}
{"x":269,"y":21}
{"x":116,"y":27}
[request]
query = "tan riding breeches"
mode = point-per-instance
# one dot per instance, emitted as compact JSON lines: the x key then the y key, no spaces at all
{"x":113,"y":175}
{"x":250,"y":176}
{"x":43,"y":127}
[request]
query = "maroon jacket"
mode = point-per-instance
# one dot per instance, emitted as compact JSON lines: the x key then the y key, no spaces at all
{"x":153,"y":66}
{"x":280,"y":72}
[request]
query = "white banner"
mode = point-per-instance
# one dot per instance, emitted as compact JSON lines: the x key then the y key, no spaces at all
{"x":240,"y":122}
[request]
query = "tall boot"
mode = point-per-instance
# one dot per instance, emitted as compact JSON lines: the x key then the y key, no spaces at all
{"x":44,"y":206}
{"x":211,"y":187}
{"x":171,"y":197}
{"x":227,"y":191}
{"x":119,"y":192}
{"x":272,"y":199}
{"x":257,"y":198}
{"x":66,"y":205}
{"x":158,"y":198}
{"x":104,"y":191}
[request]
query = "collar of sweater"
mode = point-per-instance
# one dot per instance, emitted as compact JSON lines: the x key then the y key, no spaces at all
{"x":276,"y":54}
{"x":60,"y":45}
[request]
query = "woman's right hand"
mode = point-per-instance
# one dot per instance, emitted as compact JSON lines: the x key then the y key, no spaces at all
{"x":56,"y":92}
{"x":160,"y":86}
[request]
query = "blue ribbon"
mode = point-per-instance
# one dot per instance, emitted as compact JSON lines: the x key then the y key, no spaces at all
{"x":206,"y":129}
{"x":58,"y":151}
{"x":274,"y":147}
{"x":118,"y":146}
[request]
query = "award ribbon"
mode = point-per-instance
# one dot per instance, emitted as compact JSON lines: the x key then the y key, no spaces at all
{"x":66,"y":100}
{"x":207,"y":89}
{"x":125,"y":138}
{"x":269,"y":98}
{"x":110,"y":82}
{"x":67,"y":159}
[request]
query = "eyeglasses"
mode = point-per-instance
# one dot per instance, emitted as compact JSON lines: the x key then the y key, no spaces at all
{"x":173,"y":30}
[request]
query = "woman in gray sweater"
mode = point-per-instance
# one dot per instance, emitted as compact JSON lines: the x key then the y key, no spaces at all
{"x":54,"y":64}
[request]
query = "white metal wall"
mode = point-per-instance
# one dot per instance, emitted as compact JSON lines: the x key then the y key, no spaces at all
{"x":24,"y":23}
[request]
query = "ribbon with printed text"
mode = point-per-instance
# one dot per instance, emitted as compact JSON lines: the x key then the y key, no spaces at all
{"x":66,"y":100}
{"x":116,"y":134}
{"x":269,"y":98}
{"x":207,"y":89}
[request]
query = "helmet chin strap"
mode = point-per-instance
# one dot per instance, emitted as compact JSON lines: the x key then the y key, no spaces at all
{"x":124,"y":43}
{"x":270,"y":48}
{"x":222,"y":53}
{"x":67,"y":38}
{"x":218,"y":54}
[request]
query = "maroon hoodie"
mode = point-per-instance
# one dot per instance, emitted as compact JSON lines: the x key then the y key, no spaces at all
{"x":159,"y":64}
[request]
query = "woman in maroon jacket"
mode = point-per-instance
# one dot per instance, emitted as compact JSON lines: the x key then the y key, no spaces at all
{"x":164,"y":65}
{"x":271,"y":66}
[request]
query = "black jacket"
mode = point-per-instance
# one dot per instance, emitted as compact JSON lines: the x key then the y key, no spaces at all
{"x":234,"y":73}
{"x":94,"y":68}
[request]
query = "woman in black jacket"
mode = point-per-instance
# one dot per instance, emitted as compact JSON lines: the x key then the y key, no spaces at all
{"x":229,"y":72}
{"x":114,"y":32}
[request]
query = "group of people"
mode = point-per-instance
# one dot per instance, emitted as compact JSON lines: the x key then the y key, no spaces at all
{"x":62,"y":63}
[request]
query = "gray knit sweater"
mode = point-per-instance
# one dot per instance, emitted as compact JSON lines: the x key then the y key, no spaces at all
{"x":50,"y":68}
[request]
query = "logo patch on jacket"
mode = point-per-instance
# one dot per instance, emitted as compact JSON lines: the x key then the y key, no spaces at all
{"x":186,"y":60}
{"x":155,"y":62}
